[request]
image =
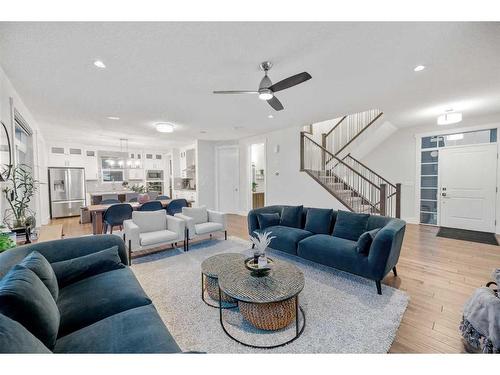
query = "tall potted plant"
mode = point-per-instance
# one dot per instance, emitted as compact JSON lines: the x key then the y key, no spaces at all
{"x":19,"y":189}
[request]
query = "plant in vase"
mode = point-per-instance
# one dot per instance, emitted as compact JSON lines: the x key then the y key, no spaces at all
{"x":261,"y":243}
{"x":19,"y":190}
{"x":6,"y":241}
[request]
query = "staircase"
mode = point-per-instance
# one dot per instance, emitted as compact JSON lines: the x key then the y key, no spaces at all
{"x":331,"y":164}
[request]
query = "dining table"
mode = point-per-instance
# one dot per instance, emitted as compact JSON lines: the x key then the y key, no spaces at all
{"x":97,"y":212}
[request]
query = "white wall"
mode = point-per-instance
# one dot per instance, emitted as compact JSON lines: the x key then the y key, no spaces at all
{"x":285,"y":184}
{"x":205,"y":173}
{"x":8,"y":93}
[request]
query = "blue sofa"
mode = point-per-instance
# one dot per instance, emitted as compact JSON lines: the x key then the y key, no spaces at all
{"x":107,"y":312}
{"x":332,"y":238}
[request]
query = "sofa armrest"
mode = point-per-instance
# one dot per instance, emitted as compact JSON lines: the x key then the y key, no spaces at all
{"x":189,"y":221}
{"x":65,"y":249}
{"x":132,"y":234}
{"x":177,"y":225}
{"x":217,"y":217}
{"x":386,"y":247}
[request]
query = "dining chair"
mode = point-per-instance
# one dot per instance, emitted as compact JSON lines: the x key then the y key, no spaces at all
{"x":151,"y":206}
{"x":115,"y":215}
{"x":175,"y":206}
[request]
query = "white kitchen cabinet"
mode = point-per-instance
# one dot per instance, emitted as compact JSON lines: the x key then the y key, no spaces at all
{"x":91,"y":165}
{"x":65,"y":157}
{"x":189,"y":195}
{"x":154,"y":161}
{"x":136,"y":174}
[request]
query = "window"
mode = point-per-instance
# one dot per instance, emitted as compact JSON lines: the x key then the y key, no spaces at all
{"x":112,"y":175}
{"x":23,"y":142}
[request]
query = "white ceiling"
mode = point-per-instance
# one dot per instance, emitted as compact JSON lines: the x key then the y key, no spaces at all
{"x":167,"y":72}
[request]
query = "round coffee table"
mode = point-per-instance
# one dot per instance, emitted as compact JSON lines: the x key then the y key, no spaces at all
{"x":210,"y":271}
{"x":268,"y":302}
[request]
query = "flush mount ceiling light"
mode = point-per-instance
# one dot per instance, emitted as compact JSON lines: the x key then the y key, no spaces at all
{"x":164,"y":127}
{"x":270,"y":116}
{"x":99,"y":64}
{"x":113,"y":118}
{"x":419,"y":68}
{"x":449,"y":117}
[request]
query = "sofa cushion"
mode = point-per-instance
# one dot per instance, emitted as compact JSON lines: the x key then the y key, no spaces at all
{"x":42,"y":268}
{"x":365,"y":241}
{"x":25,"y":299}
{"x":333,"y":252}
{"x":138,"y":330}
{"x":350,"y":225}
{"x":97,"y":297}
{"x":150,"y":221}
{"x":208,"y":227}
{"x":268,"y":220}
{"x":158,"y":237}
{"x":14,"y":338}
{"x":76,"y":269}
{"x":198,"y":214}
{"x":291,"y":217}
{"x":319,"y":220}
{"x":286,"y":238}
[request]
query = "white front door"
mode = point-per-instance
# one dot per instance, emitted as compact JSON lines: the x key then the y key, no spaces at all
{"x":468,"y":177}
{"x":228,"y":180}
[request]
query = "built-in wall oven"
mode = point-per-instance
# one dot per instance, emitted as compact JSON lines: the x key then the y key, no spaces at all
{"x":153,"y":175}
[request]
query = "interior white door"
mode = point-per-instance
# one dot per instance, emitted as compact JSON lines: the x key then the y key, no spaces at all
{"x":468,"y":177}
{"x":228,"y":179}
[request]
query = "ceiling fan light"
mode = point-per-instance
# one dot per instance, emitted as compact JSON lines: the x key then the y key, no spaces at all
{"x":266,"y":95}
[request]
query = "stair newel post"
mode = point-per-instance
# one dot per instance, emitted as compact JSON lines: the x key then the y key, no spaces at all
{"x":383,"y":199}
{"x":398,"y":200}
{"x":301,"y":151}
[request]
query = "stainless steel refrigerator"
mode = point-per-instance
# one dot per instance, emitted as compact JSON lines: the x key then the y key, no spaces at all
{"x":67,"y":191}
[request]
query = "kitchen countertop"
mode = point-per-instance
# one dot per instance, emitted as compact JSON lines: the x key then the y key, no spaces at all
{"x":98,"y":193}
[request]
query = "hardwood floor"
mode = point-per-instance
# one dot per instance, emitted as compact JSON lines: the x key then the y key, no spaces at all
{"x":439,"y":274}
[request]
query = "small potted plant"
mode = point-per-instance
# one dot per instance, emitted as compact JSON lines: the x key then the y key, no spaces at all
{"x":260,"y":264}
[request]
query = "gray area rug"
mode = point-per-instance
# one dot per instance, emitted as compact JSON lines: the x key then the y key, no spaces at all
{"x":344,"y":314}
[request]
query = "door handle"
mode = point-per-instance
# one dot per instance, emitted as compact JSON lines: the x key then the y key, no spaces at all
{"x":443,"y":194}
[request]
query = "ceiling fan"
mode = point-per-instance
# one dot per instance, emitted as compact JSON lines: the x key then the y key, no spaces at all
{"x":267,"y":89}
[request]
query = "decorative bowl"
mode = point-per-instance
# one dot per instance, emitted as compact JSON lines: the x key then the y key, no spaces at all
{"x":255,"y":270}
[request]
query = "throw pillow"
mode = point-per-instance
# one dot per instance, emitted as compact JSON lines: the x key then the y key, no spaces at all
{"x":14,"y":338}
{"x":39,"y":265}
{"x":350,"y":225}
{"x":199,"y":214}
{"x":72,"y":270}
{"x":268,"y":220}
{"x":25,"y":299}
{"x":291,"y":216}
{"x":319,"y":220}
{"x":365,"y":241}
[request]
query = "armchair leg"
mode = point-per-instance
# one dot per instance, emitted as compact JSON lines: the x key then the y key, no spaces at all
{"x":379,"y":287}
{"x":129,"y":252}
{"x":187,"y":239}
{"x":225,"y":235}
{"x":395,"y":271}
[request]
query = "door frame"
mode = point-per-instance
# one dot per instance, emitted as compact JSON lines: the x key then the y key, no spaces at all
{"x":217,"y":153}
{"x":248,"y":181}
{"x":439,"y":199}
{"x":418,"y":155}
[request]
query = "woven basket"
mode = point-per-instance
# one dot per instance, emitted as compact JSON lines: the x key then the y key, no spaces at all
{"x":212,"y":288}
{"x":269,"y":316}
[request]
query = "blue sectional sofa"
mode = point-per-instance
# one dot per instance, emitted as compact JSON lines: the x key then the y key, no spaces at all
{"x":92,"y":303}
{"x":362,"y":244}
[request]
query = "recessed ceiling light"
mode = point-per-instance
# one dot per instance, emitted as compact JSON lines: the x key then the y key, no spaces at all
{"x":419,"y":68}
{"x":99,"y":64}
{"x":238,"y":127}
{"x":112,"y":118}
{"x":203,"y":131}
{"x":449,"y":118}
{"x":164,"y":127}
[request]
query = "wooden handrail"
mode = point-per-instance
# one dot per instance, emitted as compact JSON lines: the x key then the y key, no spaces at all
{"x":369,"y":169}
{"x":335,"y":126}
{"x":339,"y":160}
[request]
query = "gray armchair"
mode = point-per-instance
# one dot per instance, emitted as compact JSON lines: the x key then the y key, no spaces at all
{"x":200,"y":221}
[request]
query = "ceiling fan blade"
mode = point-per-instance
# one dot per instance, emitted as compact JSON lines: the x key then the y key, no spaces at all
{"x":290,"y":81}
{"x":275,"y":103}
{"x":235,"y":92}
